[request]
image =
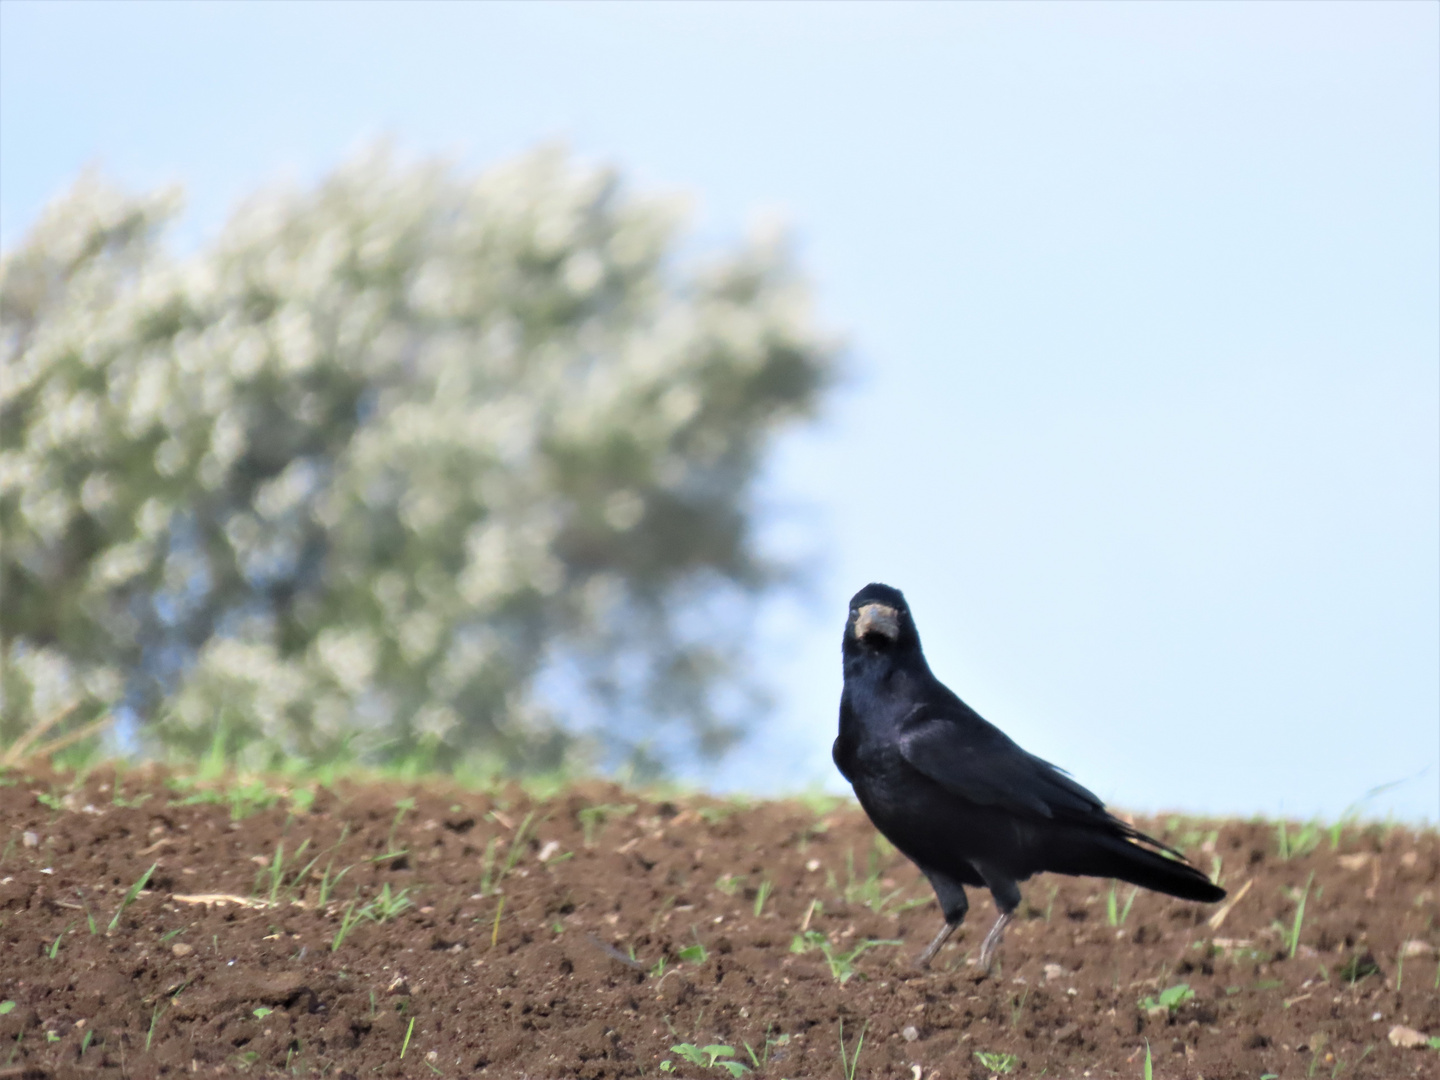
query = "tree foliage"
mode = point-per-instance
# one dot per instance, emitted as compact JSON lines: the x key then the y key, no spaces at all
{"x":388,"y":462}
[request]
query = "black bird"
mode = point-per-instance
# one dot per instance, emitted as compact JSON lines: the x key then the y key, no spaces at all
{"x":959,"y":797}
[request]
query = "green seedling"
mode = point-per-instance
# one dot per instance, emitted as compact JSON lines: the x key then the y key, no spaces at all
{"x":1170,"y":999}
{"x":996,"y":1062}
{"x":1148,"y":1069}
{"x":154,"y":1019}
{"x":278,"y":875}
{"x":130,"y":896}
{"x":729,"y":884}
{"x":761,"y":895}
{"x":90,"y":916}
{"x":495,"y":930}
{"x":1017,"y":1008}
{"x":762,"y":1059}
{"x":385,"y":856}
{"x":1357,"y":968}
{"x":714,"y":815}
{"x":842,"y":965}
{"x":1050,"y":904}
{"x":327,"y":883}
{"x":707,"y":1057}
{"x":1114,"y":915}
{"x":1306,"y":840}
{"x":849,"y":1064}
{"x":85,"y":1042}
{"x":262,"y":1012}
{"x":242,"y":799}
{"x":694,"y":954}
{"x":386,"y":906}
{"x":868,"y":889}
{"x":593,"y":818}
{"x":487,"y":866}
{"x":1300,"y":915}
{"x":402,"y":807}
{"x":348,"y":919}
{"x":6,"y":1007}
{"x":54,"y":948}
{"x":491,"y":876}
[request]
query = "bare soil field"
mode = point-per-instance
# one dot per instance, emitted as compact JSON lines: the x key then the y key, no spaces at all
{"x":386,"y":930}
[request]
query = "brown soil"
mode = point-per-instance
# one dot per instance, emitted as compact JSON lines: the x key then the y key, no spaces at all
{"x":544,"y":986}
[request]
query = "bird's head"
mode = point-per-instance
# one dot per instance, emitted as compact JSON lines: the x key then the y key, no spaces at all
{"x":879,"y":621}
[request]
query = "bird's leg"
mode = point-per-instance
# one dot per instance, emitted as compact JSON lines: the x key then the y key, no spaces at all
{"x":923,"y":960}
{"x":953,"y":906}
{"x":991,"y":944}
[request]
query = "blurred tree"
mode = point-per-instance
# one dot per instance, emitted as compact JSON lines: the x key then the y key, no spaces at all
{"x":387,"y":460}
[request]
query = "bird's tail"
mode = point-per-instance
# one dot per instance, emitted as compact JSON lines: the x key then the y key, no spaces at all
{"x":1130,"y":855}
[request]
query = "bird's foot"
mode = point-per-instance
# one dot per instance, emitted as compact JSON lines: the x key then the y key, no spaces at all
{"x":923,"y":960}
{"x":991,"y":945}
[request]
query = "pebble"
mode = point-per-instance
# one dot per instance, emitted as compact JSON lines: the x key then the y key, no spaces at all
{"x":1406,"y":1038}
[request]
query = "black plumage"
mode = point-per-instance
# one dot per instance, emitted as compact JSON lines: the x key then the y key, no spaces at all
{"x":957,"y":796}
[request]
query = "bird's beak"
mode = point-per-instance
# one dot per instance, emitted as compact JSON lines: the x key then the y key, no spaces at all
{"x":877,"y":619}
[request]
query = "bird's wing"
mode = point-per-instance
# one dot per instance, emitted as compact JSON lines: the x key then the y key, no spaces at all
{"x":979,"y":763}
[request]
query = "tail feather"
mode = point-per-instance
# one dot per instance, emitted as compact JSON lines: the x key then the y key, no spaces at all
{"x":1130,"y":855}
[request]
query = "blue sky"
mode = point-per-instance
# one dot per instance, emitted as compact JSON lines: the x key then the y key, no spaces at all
{"x":1142,"y":305}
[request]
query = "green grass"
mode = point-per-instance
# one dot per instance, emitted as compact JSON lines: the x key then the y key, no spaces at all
{"x":491,"y":875}
{"x":761,"y":894}
{"x":1169,"y":999}
{"x":695,"y":954}
{"x":841,"y":964}
{"x":1117,"y":917}
{"x":382,"y":908}
{"x":593,"y":818}
{"x":762,"y":1059}
{"x":130,"y":896}
{"x":1294,"y":935}
{"x":714,"y":1056}
{"x":1306,"y":840}
{"x":54,"y":948}
{"x":868,"y":888}
{"x":849,"y":1064}
{"x":997,"y":1062}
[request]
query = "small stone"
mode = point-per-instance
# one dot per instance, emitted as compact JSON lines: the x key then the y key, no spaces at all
{"x":1406,"y":1038}
{"x":813,"y":865}
{"x":30,"y":839}
{"x":181,"y":949}
{"x":1053,"y":972}
{"x":910,"y":1033}
{"x":1415,"y":947}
